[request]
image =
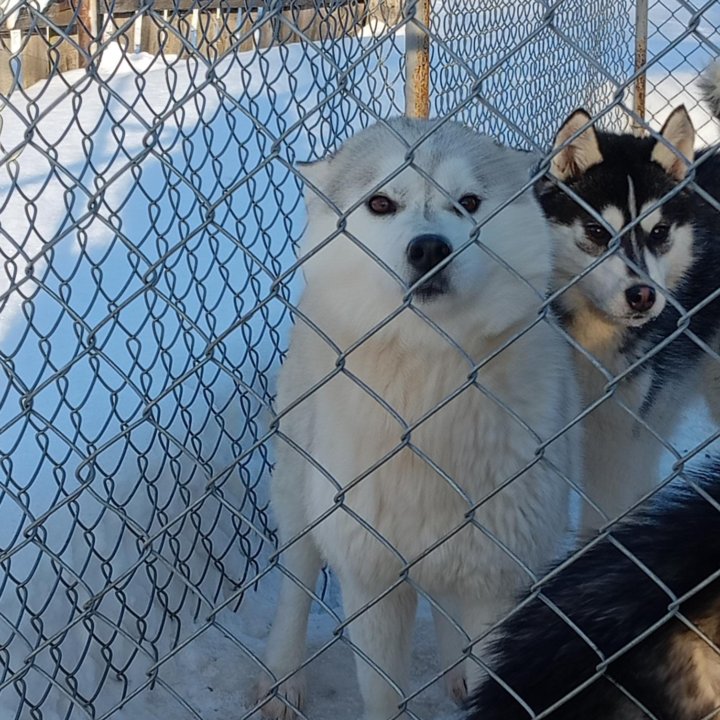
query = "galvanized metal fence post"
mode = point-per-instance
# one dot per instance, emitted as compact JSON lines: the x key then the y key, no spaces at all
{"x":417,"y":60}
{"x":641,"y":38}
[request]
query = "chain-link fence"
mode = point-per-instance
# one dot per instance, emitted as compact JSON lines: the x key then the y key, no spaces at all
{"x":149,"y":229}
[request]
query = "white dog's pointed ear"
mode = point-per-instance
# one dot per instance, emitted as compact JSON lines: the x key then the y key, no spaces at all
{"x":678,"y":130}
{"x":574,"y":157}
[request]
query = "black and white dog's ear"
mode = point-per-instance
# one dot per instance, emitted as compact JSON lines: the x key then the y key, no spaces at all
{"x":679,"y":132}
{"x":573,"y":157}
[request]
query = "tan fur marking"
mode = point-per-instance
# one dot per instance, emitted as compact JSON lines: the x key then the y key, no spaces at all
{"x":581,"y":153}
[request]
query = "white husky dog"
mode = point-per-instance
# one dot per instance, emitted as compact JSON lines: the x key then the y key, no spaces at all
{"x":416,"y":403}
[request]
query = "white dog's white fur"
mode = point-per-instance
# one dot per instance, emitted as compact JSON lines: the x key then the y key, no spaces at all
{"x":406,"y":409}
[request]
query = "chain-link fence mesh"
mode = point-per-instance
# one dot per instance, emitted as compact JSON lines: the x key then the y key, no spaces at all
{"x":680,"y":38}
{"x":151,"y":213}
{"x":531,"y":63}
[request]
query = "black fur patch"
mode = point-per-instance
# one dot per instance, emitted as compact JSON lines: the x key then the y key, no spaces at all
{"x":611,"y":600}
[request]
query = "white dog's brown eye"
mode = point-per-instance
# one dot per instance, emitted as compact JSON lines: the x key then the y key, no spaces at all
{"x":381,"y":205}
{"x":597,"y":233}
{"x":470,"y":202}
{"x":659,"y":234}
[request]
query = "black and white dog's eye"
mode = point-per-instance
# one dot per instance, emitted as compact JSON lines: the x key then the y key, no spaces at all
{"x":597,"y":233}
{"x":471,"y":203}
{"x":381,"y":205}
{"x":659,"y":234}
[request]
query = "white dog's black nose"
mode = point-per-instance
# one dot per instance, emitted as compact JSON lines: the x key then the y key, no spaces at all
{"x":640,"y":297}
{"x":424,"y":252}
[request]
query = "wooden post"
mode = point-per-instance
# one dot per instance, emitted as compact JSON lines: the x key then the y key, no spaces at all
{"x":88,"y":26}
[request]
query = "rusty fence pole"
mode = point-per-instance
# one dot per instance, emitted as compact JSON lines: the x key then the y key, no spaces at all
{"x":87,"y":28}
{"x":641,"y":40}
{"x":417,"y":61}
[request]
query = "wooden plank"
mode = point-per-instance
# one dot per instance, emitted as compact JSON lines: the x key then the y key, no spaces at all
{"x":389,"y":12}
{"x":6,"y":72}
{"x":326,"y":25}
{"x":124,"y":31}
{"x":236,"y":31}
{"x":241,"y":26}
{"x":210,"y":31}
{"x":150,"y":36}
{"x":61,"y":14}
{"x":62,"y":55}
{"x":87,"y":27}
{"x":160,"y":37}
{"x":47,"y":52}
{"x":181,"y":28}
{"x":52,"y":17}
{"x":35,"y":60}
{"x":132,"y":6}
{"x":222,"y":26}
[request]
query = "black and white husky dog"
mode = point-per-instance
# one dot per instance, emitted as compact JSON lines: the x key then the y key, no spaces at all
{"x":629,"y":629}
{"x":637,"y":256}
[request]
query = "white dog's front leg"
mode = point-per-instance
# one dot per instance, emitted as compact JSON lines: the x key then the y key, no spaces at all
{"x":383,"y":633}
{"x":286,"y":644}
{"x":451,"y":641}
{"x":479,"y":615}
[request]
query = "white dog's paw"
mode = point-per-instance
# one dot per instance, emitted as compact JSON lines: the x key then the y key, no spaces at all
{"x":289,"y":695}
{"x":456,"y":684}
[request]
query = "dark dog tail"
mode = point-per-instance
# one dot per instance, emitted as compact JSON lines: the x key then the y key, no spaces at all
{"x":603,"y":634}
{"x":709,"y":84}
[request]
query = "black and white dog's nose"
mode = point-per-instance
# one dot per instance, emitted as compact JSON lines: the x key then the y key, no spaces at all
{"x":424,"y":252}
{"x":640,"y":297}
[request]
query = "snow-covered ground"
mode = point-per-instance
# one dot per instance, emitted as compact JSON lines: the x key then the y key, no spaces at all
{"x":144,"y":222}
{"x":144,"y":226}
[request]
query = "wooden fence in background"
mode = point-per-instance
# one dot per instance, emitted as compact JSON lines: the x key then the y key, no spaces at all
{"x":39,"y":40}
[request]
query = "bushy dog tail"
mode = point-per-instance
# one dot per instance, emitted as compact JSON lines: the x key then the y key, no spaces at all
{"x":598,"y":606}
{"x":709,"y":84}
